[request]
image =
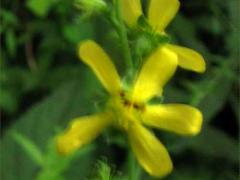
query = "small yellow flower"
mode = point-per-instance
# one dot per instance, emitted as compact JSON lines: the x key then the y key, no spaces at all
{"x":128,"y":109}
{"x":160,"y":13}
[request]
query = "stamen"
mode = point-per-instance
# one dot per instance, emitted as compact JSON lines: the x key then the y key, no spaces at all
{"x":122,"y":94}
{"x":127,"y":103}
{"x":140,"y":107}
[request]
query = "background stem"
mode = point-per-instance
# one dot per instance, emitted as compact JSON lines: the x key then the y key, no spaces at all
{"x":123,"y":36}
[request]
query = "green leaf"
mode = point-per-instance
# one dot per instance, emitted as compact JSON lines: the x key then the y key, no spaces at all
{"x":202,"y":171}
{"x":187,"y":174}
{"x":8,"y":20}
{"x":8,"y":100}
{"x":104,"y":171}
{"x":206,"y":100}
{"x":54,"y":164}
{"x":39,"y":124}
{"x":211,"y":143}
{"x":40,"y":7}
{"x":216,"y":84}
{"x":216,"y":144}
{"x":75,"y":33}
{"x":11,"y":42}
{"x":188,"y":36}
{"x":215,"y":27}
{"x":29,"y":147}
{"x":234,"y":101}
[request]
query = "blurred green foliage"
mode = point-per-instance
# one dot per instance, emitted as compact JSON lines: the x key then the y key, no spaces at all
{"x":43,"y":86}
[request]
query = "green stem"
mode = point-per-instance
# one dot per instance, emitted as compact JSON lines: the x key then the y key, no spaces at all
{"x":134,"y":169}
{"x":131,"y":166}
{"x":123,"y":36}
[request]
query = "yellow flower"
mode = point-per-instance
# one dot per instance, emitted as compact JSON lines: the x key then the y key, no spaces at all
{"x":160,"y":13}
{"x":128,"y":109}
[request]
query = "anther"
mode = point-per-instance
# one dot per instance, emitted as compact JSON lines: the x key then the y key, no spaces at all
{"x":122,"y":94}
{"x":126,"y":102}
{"x":140,"y":107}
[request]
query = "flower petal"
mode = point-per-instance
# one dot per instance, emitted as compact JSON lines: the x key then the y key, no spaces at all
{"x":131,"y":10}
{"x":95,"y":57}
{"x":178,"y":118}
{"x":81,"y":131}
{"x":161,"y":12}
{"x":149,"y":151}
{"x":188,"y":58}
{"x":156,"y":71}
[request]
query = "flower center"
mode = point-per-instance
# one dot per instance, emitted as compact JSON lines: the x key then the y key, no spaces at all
{"x":125,"y":110}
{"x":129,"y":103}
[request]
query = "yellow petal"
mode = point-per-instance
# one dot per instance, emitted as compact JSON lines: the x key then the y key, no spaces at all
{"x":161,"y":12}
{"x":188,"y":58}
{"x":178,"y":118}
{"x":149,"y":151}
{"x":81,"y":131}
{"x":95,"y":57}
{"x":156,"y":71}
{"x":131,"y":10}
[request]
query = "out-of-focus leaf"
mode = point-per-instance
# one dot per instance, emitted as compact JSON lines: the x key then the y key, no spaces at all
{"x":104,"y":171}
{"x":11,"y":42}
{"x":8,"y":20}
{"x":211,"y":94}
{"x":216,"y":144}
{"x":40,"y":7}
{"x":235,"y":103}
{"x":215,"y":27}
{"x":215,"y":84}
{"x":75,"y":33}
{"x":185,"y":30}
{"x":175,"y":94}
{"x":30,"y":148}
{"x":201,"y":172}
{"x":187,"y":174}
{"x":39,"y":125}
{"x":209,"y":104}
{"x":8,"y":16}
{"x":54,"y":164}
{"x":8,"y":101}
{"x":61,"y":75}
{"x":50,"y":176}
{"x":211,"y":142}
